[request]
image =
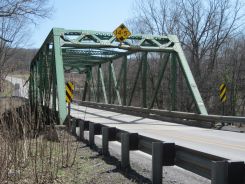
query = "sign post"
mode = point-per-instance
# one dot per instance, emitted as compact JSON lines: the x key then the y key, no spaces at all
{"x":69,"y":97}
{"x":222,"y":96}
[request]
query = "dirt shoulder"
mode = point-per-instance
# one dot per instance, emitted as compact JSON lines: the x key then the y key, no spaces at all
{"x":90,"y":167}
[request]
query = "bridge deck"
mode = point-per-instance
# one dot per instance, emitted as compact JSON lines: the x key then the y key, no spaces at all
{"x":226,"y":144}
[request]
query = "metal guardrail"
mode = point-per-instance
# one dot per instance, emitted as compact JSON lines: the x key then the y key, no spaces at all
{"x":219,"y":170}
{"x":164,"y":113}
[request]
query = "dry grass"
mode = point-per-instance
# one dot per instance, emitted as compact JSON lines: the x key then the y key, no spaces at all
{"x":27,"y":154}
{"x":8,"y":103}
{"x":7,"y":89}
{"x":48,"y":155}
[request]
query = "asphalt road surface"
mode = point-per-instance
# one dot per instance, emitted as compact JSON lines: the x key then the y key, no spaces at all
{"x":225,"y":144}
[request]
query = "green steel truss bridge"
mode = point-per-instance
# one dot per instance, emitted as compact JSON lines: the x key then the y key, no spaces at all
{"x":81,"y":51}
{"x":95,"y":55}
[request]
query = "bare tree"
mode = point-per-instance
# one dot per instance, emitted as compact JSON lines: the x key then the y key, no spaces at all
{"x":203,"y":28}
{"x":16,"y":16}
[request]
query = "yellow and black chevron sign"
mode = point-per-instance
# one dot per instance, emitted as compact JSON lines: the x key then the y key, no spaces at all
{"x":69,"y":92}
{"x":222,"y":93}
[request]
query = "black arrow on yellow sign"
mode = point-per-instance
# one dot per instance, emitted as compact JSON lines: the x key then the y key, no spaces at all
{"x":69,"y":92}
{"x":222,"y":93}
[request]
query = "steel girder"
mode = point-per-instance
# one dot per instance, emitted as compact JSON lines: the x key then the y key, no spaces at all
{"x":81,"y":50}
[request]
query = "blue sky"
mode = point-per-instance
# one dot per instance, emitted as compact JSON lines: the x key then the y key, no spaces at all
{"x":100,"y":15}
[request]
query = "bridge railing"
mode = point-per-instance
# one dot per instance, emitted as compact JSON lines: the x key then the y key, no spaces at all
{"x":203,"y":120}
{"x":217,"y":169}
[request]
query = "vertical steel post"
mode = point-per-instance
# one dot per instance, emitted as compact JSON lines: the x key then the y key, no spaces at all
{"x":46,"y":77}
{"x":81,"y":126}
{"x":60,"y":74}
{"x":92,"y":83}
{"x":103,"y":85}
{"x":35,"y":90}
{"x":74,"y":126}
{"x":125,"y":162}
{"x":40,"y":77}
{"x":125,"y":68}
{"x":91,"y":134}
{"x":115,"y":84}
{"x":88,"y":78}
{"x":98,"y":84}
{"x":157,"y":155}
{"x":85,"y":87}
{"x":219,"y":172}
{"x":38,"y":80}
{"x":54,"y":92}
{"x":173,"y":81}
{"x":144,"y":80}
{"x":109,"y":82}
{"x":120,"y":76}
{"x":105,"y":140}
{"x":53,"y":74}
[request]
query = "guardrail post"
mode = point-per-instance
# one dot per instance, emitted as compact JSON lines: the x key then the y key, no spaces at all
{"x":91,"y":134}
{"x":108,"y":134}
{"x":219,"y":172}
{"x":157,"y":161}
{"x":236,"y":172}
{"x":94,"y":129}
{"x":73,"y":126}
{"x":163,"y":154}
{"x":227,"y":172}
{"x":84,"y":125}
{"x":105,"y":141}
{"x":125,"y":150}
{"x":129,"y":141}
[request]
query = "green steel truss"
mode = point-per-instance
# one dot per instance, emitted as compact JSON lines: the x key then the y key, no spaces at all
{"x":81,"y":51}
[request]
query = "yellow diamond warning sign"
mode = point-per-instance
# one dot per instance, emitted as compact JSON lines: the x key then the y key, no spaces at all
{"x":121,"y":33}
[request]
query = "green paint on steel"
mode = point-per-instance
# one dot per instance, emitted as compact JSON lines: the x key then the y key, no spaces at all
{"x":144,"y":80}
{"x":189,"y":77}
{"x":98,"y":84}
{"x":109,"y":83}
{"x":92,"y":84}
{"x":80,"y":51}
{"x":59,"y":75}
{"x":135,"y":83}
{"x":125,"y":68}
{"x":103,"y":84}
{"x":85,"y":88}
{"x":115,"y":83}
{"x":163,"y":66}
{"x":173,"y":81}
